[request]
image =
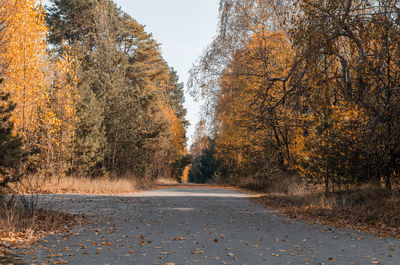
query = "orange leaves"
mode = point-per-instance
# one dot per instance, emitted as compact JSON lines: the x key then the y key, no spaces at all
{"x":65,"y":92}
{"x":331,"y":138}
{"x":185,"y":174}
{"x":26,"y":56}
{"x":252,"y":86}
{"x":45,"y":92}
{"x":175,"y":132}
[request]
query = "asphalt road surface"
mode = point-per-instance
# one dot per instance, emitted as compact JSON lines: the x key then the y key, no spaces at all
{"x":199,"y":225}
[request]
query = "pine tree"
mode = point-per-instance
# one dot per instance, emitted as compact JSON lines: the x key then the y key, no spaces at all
{"x":88,"y":147}
{"x":130,"y":114}
{"x":10,"y":145}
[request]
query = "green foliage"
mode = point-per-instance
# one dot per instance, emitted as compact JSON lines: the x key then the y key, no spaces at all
{"x":177,"y":96}
{"x":10,"y":145}
{"x":125,"y":85}
{"x":205,"y":165}
{"x":88,"y":150}
{"x":180,"y":165}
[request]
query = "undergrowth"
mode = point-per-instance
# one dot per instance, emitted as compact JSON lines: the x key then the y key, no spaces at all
{"x":22,"y":223}
{"x":81,"y":185}
{"x":368,"y":208}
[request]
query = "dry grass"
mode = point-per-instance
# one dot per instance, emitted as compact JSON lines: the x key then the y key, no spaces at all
{"x":280,"y":183}
{"x":56,"y":185}
{"x":369,"y":208}
{"x":21,"y":223}
{"x":166,"y":181}
{"x":376,"y":215}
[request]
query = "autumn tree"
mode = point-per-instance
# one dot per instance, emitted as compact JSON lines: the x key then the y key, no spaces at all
{"x":10,"y":143}
{"x":350,"y":55}
{"x":63,"y":103}
{"x":26,"y":78}
{"x":309,"y":87}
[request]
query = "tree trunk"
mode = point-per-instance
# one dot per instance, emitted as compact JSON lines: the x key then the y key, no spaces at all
{"x":388,"y":183}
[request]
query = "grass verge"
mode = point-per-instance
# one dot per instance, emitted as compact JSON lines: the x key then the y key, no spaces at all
{"x":370,"y":210}
{"x":79,"y":185}
{"x":21,"y":224}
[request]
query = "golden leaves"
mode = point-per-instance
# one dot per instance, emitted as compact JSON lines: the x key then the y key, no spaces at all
{"x":185,"y":174}
{"x":26,"y":57}
{"x":45,"y":91}
{"x":247,"y":94}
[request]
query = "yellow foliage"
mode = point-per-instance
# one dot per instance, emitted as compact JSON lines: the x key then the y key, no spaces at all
{"x":185,"y":174}
{"x":176,"y":132}
{"x":44,"y":91}
{"x":247,"y":92}
{"x":25,"y":77}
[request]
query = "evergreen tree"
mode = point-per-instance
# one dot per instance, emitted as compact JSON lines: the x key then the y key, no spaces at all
{"x":90,"y":137}
{"x":177,"y":96}
{"x":126,"y":88}
{"x":10,"y":145}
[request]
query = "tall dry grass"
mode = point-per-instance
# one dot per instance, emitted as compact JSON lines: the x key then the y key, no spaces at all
{"x":69,"y":184}
{"x":280,"y":183}
{"x":22,"y":222}
{"x":294,"y":189}
{"x":166,"y":181}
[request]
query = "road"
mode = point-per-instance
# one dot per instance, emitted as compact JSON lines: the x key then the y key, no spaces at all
{"x":199,"y":225}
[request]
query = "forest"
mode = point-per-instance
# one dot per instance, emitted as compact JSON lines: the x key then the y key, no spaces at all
{"x":301,"y":120}
{"x":305,"y":88}
{"x":85,"y":92}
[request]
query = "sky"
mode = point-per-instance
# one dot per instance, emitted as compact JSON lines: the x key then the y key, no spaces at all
{"x":184,"y":28}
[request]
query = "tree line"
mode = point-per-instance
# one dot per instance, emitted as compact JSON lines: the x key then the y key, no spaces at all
{"x":86,"y":92}
{"x":305,"y":87}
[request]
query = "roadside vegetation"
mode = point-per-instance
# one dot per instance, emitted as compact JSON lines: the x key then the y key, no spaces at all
{"x":22,"y":223}
{"x":303,"y":103}
{"x":87,"y":105}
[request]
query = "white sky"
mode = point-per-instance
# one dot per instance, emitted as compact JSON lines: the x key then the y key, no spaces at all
{"x":184,"y":28}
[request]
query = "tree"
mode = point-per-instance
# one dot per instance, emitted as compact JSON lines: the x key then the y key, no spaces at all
{"x":350,"y":53}
{"x":24,"y":76}
{"x":204,"y":164}
{"x":121,"y":72}
{"x":10,"y":145}
{"x":311,"y":90}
